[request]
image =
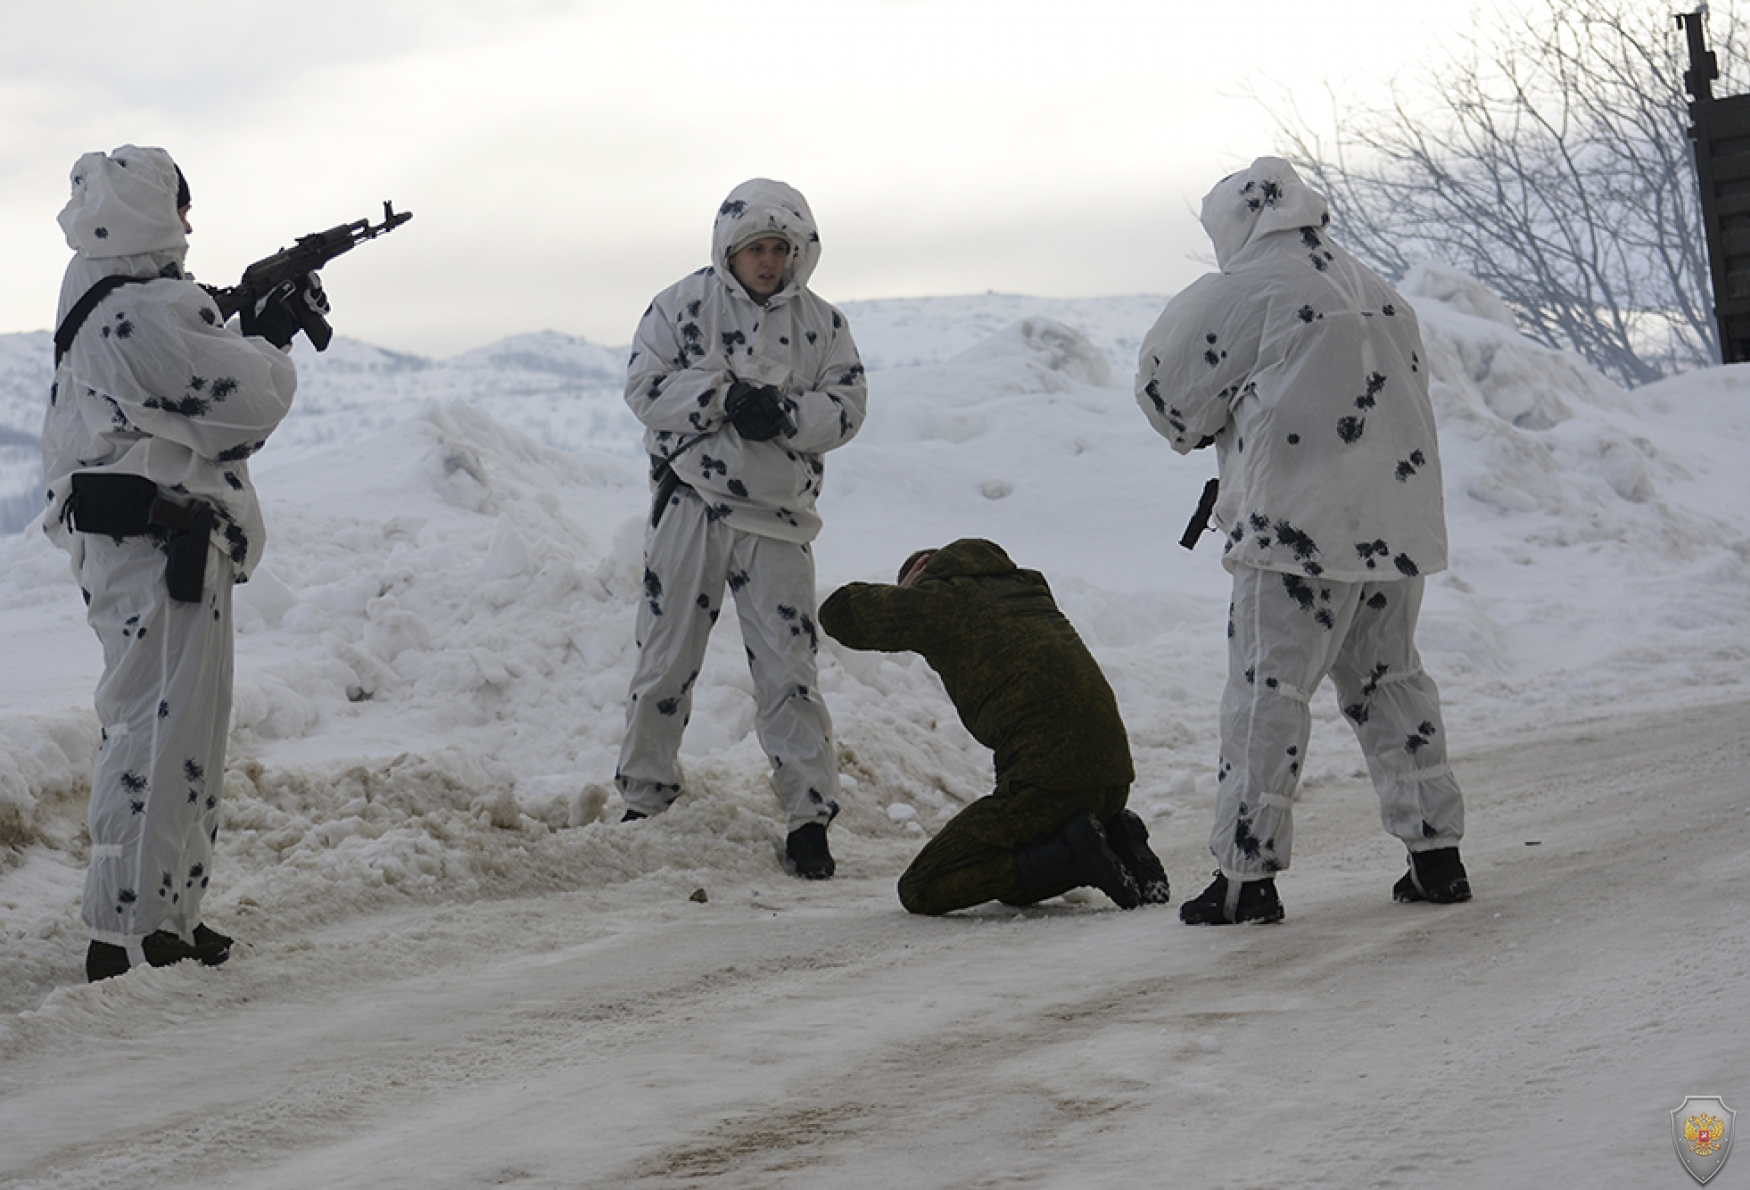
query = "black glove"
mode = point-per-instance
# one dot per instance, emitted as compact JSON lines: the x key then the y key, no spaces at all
{"x":293,"y":306}
{"x":756,"y":410}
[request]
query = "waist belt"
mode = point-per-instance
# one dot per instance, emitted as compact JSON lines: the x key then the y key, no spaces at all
{"x":125,"y":506}
{"x":114,"y":505}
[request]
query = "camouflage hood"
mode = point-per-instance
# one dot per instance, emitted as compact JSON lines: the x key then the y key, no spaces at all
{"x":970,"y":557}
{"x":762,"y":207}
{"x":1264,"y":199}
{"x":124,"y":204}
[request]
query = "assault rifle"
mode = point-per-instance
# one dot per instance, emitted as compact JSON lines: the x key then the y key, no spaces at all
{"x":307,"y":255}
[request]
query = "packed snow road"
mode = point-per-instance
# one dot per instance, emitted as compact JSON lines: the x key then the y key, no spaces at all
{"x":816,"y":1035}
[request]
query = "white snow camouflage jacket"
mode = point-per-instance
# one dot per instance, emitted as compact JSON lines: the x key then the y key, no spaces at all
{"x":153,"y":383}
{"x":1308,"y":372}
{"x":705,"y":332}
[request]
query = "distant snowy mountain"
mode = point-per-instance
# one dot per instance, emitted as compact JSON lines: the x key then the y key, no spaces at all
{"x":565,"y":392}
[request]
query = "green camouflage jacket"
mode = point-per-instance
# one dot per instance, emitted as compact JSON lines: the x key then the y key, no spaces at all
{"x":1025,"y":685}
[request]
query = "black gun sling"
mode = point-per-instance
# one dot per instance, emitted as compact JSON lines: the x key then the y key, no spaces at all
{"x":82,"y":309}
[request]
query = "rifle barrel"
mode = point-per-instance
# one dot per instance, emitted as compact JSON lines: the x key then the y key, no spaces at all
{"x":307,"y":254}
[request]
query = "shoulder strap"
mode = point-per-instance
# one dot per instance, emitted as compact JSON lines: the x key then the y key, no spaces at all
{"x":82,"y":310}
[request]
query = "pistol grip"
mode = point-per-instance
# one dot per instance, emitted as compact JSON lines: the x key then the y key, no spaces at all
{"x":315,"y":327}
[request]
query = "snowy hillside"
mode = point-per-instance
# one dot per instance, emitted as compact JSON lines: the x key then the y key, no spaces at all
{"x":432,"y":663}
{"x":562,"y":391}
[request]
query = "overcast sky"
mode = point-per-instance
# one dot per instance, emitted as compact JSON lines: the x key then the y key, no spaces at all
{"x":564,"y":158}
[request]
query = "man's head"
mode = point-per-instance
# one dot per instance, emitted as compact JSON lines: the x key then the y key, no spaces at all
{"x":763,"y":242}
{"x":759,"y":263}
{"x":914,"y":567}
{"x":129,"y":202}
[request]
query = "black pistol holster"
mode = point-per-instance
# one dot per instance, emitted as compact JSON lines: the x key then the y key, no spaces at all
{"x":667,"y":484}
{"x":115,"y":505}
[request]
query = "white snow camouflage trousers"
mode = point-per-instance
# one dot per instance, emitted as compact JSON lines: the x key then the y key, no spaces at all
{"x":688,"y":560}
{"x":1286,"y":632}
{"x":164,"y":703}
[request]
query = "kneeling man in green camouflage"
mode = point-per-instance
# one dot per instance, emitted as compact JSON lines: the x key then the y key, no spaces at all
{"x":1027,"y":688}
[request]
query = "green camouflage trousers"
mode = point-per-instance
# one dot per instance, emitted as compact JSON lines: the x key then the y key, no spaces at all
{"x":972,"y":859}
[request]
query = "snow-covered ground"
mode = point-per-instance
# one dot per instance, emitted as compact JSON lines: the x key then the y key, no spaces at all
{"x":456,"y":968}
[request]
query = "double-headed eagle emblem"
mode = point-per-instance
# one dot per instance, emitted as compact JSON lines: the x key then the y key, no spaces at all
{"x":1702,"y":1134}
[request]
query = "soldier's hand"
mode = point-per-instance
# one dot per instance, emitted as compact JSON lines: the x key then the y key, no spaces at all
{"x":272,"y":318}
{"x":291,"y":307}
{"x":314,"y":297}
{"x":756,"y":411}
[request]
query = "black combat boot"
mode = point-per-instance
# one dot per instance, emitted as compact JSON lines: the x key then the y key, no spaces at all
{"x":1128,"y":837}
{"x":105,"y":960}
{"x":210,"y":943}
{"x":1223,"y":904}
{"x":1435,"y":876}
{"x":807,"y":852}
{"x":1078,"y":854}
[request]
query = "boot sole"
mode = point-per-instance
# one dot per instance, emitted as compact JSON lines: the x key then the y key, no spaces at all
{"x":1268,"y":918}
{"x":1406,"y":893}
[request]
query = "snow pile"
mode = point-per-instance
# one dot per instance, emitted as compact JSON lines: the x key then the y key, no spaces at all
{"x":24,"y":384}
{"x":1595,"y":531}
{"x":433,"y":659}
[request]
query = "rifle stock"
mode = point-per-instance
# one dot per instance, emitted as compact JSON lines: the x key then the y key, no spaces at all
{"x":308,"y":254}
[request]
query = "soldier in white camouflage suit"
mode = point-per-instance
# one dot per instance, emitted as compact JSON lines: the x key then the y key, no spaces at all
{"x":155,"y":411}
{"x":743,"y":379}
{"x":1307,"y":374}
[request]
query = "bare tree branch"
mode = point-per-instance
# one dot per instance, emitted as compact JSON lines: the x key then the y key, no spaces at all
{"x":1547,"y":156}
